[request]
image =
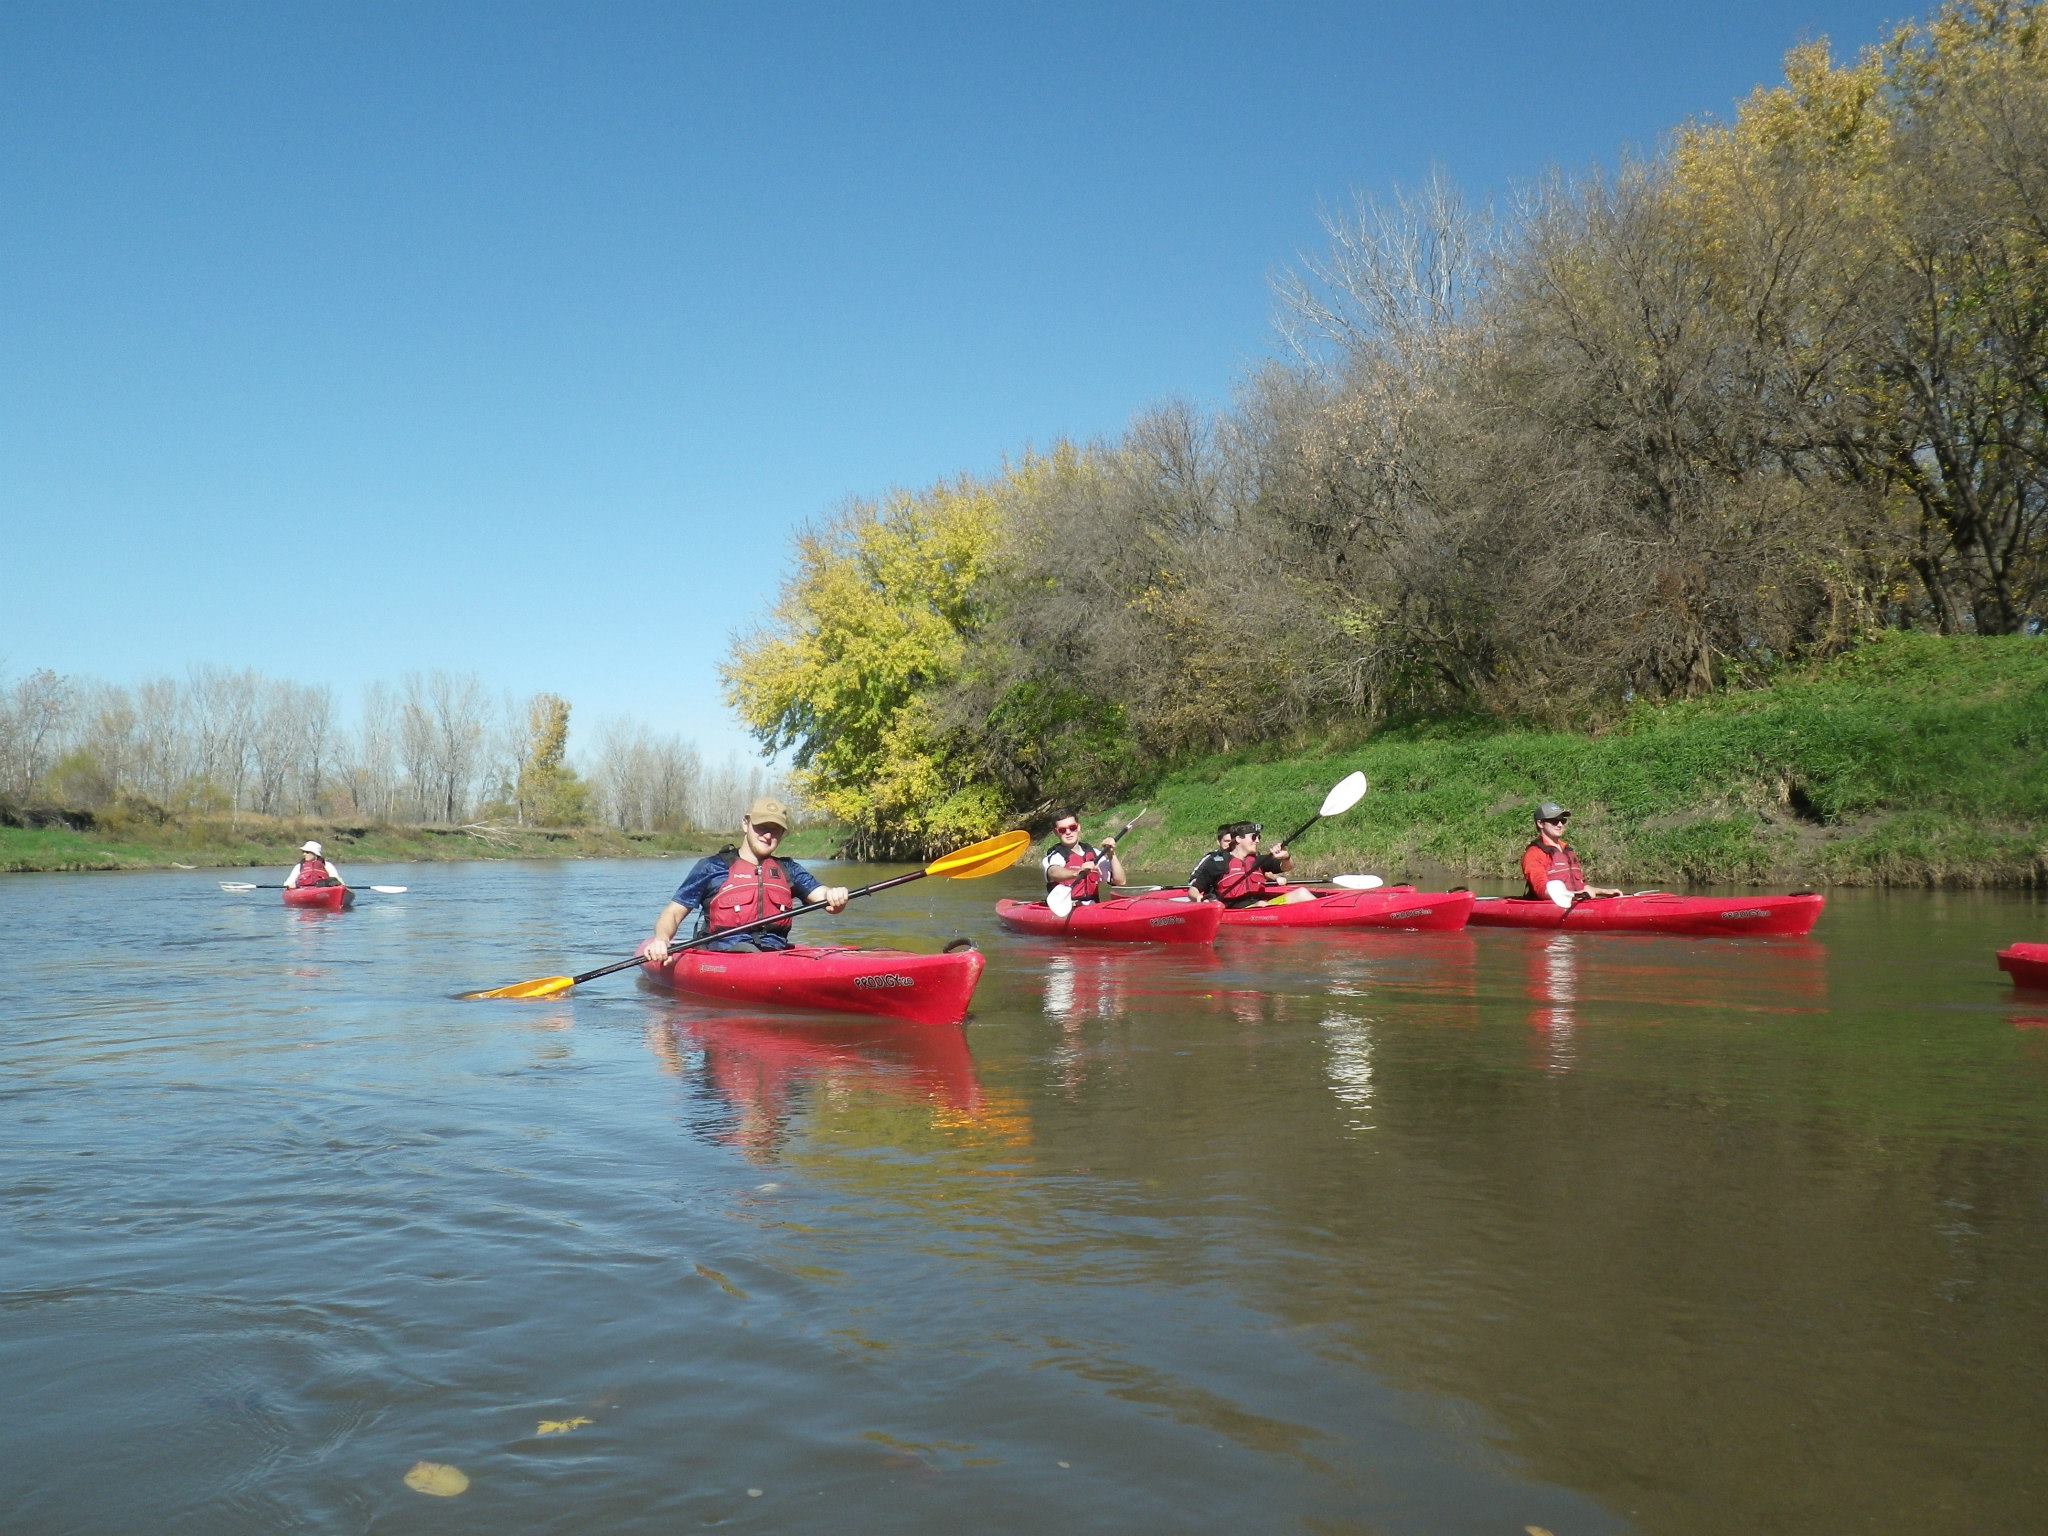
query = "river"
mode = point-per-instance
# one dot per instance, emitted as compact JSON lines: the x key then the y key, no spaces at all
{"x":1312,"y":1233}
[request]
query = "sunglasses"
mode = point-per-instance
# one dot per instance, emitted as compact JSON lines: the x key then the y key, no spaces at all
{"x":1072,"y":826}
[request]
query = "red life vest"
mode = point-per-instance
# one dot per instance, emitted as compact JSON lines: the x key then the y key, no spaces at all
{"x":1564,"y":865}
{"x":313,"y":872}
{"x":1086,"y":885}
{"x":1242,"y":880}
{"x":748,"y":893}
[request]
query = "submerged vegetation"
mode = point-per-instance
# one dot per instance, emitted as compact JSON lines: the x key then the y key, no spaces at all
{"x":1655,"y":435}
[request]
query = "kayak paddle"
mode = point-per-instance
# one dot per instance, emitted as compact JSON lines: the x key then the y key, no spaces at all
{"x":243,"y":885}
{"x":1343,"y":795}
{"x":969,"y":863}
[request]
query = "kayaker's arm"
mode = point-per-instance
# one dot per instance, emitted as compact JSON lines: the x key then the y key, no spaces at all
{"x":1116,"y":865}
{"x":835,"y":897}
{"x":665,"y":927}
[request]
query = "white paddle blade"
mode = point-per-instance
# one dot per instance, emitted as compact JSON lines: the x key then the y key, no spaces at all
{"x":1344,"y":794}
{"x":1358,"y":882}
{"x":1060,"y":900}
{"x":235,"y":885}
{"x":391,"y":890}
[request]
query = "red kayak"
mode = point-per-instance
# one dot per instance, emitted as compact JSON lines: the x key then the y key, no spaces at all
{"x":2026,"y":964}
{"x":1395,"y":906}
{"x":1129,"y":919}
{"x":1660,"y":912}
{"x":330,"y":898}
{"x":887,"y":983}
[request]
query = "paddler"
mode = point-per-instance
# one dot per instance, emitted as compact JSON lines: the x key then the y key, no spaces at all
{"x":1083,"y":870}
{"x":741,"y":883}
{"x":1239,"y":875}
{"x":1550,"y":869}
{"x":312,"y":869}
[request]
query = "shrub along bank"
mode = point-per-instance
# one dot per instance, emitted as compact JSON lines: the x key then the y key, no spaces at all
{"x":1914,"y":760}
{"x":46,"y":839}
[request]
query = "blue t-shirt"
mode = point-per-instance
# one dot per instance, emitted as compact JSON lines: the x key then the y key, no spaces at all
{"x":708,"y":874}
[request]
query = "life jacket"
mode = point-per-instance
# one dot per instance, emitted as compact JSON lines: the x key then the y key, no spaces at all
{"x":1243,"y":880}
{"x":1564,"y":865}
{"x":1087,"y":885}
{"x":748,"y":893}
{"x":313,"y":872}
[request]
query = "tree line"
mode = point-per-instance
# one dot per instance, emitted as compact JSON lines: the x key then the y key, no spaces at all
{"x":434,"y":748}
{"x":1634,"y":435}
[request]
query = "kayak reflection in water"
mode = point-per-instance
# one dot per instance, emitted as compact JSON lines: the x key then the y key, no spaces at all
{"x":739,"y":884}
{"x":1239,"y":875}
{"x":1549,"y":867}
{"x":312,"y":869}
{"x":1083,"y":870}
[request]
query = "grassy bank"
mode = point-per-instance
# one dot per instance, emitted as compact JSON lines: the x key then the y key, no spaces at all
{"x":246,"y":841}
{"x":1915,"y":760}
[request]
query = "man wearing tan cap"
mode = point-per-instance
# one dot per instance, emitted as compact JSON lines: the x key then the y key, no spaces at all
{"x":741,"y":884}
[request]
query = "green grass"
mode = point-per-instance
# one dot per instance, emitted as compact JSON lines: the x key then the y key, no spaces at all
{"x":221,"y":844}
{"x":1913,"y":760}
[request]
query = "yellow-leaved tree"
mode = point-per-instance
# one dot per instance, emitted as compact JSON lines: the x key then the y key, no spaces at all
{"x":870,"y":623}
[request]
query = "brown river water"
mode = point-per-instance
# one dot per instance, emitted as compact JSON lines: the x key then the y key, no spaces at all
{"x":1314,"y":1233}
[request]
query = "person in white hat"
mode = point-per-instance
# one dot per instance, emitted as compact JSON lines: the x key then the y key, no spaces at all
{"x":312,"y":868}
{"x":741,"y":884}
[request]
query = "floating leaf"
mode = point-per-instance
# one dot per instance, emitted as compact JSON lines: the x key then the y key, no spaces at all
{"x":560,"y":1426}
{"x":443,"y":1482}
{"x":1535,"y":1530}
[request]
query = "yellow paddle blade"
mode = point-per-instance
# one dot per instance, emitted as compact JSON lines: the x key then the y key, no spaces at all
{"x":547,"y":986}
{"x":982,"y":858}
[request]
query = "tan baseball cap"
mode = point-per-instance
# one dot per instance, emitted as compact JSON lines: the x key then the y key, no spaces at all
{"x":771,"y":810}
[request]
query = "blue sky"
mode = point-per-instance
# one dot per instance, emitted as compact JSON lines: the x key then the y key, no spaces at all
{"x":520,"y":337}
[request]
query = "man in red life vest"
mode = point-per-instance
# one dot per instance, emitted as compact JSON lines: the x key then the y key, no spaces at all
{"x":738,"y":884}
{"x":312,"y":869}
{"x":1239,"y":875}
{"x":1080,"y":868}
{"x":1550,"y":869}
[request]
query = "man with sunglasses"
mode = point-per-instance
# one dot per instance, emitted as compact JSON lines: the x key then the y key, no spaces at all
{"x":1239,"y":875}
{"x":1080,"y":868}
{"x":1549,"y":868}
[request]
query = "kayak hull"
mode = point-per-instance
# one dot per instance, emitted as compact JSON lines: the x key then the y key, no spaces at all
{"x":325,"y":898}
{"x":1125,"y":919}
{"x":876,"y":983}
{"x":1660,"y":912}
{"x":1400,"y":906}
{"x":2026,"y":964}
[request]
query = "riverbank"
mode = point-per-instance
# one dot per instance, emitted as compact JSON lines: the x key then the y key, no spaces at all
{"x":1914,"y":760}
{"x":252,"y":841}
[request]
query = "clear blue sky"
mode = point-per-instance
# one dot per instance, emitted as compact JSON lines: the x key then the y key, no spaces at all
{"x":521,"y":336}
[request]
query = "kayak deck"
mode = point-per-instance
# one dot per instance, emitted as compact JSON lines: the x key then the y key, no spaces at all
{"x":330,"y":898}
{"x":883,"y":983}
{"x":1661,"y":912}
{"x":1398,"y":906}
{"x":1123,"y":919}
